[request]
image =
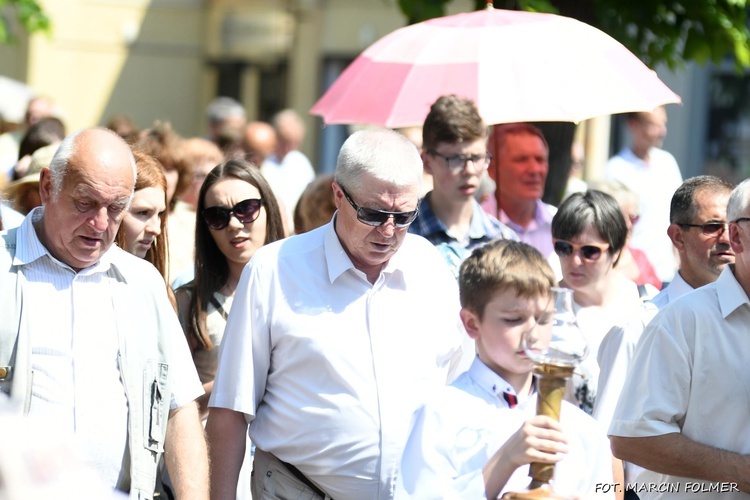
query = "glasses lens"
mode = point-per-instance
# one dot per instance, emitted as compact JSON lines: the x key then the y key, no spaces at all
{"x":373,"y":217}
{"x":404,"y":218}
{"x":459,"y":162}
{"x":247,"y":210}
{"x":713,"y":228}
{"x":563,"y":248}
{"x":591,"y":252}
{"x":216,"y":217}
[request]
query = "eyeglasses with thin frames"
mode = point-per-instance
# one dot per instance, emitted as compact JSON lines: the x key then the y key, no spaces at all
{"x":714,"y":229}
{"x":374,"y":217}
{"x":458,"y":163}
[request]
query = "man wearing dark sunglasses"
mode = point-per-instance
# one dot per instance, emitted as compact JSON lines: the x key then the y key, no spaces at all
{"x":683,"y":412}
{"x":698,"y":230}
{"x":341,"y":332}
{"x":455,"y":154}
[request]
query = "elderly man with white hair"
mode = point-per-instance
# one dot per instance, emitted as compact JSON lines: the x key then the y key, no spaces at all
{"x":335,"y":338}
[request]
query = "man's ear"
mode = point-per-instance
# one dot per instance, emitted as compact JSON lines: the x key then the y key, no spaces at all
{"x":426,"y":162}
{"x":45,"y":185}
{"x":675,"y":234}
{"x":735,"y":241}
{"x":338,"y":195}
{"x":471,"y":322}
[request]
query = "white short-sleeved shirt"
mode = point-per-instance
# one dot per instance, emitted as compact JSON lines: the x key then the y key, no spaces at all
{"x":654,"y":182}
{"x":328,"y":367}
{"x":616,"y":355}
{"x":74,"y":351}
{"x":463,"y":425}
{"x":692,"y":378}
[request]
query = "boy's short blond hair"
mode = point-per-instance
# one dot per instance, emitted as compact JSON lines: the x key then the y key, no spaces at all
{"x":500,"y":265}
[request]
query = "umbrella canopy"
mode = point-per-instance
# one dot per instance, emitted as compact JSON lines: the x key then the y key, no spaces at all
{"x":516,"y":66}
{"x":14,"y":96}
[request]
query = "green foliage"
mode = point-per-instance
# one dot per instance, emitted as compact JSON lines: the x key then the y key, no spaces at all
{"x":670,"y":32}
{"x":27,"y":13}
{"x":417,"y":11}
{"x":679,"y":31}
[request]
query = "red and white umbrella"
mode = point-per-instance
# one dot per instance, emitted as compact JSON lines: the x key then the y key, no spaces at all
{"x":516,"y":66}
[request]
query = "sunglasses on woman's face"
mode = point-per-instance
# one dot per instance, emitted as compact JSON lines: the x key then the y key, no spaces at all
{"x":245,"y":211}
{"x":373,"y":217}
{"x":588,"y":252}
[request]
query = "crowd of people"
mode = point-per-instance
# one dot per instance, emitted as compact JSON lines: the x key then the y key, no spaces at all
{"x":209,"y":318}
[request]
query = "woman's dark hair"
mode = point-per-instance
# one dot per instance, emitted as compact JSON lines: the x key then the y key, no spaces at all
{"x":592,"y":207}
{"x":46,"y":131}
{"x":211,"y":268}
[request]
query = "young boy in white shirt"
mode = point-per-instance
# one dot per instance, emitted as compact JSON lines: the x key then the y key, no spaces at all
{"x":475,"y":438}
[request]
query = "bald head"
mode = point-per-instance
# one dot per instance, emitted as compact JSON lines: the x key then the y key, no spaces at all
{"x":105,"y":149}
{"x":38,"y":108}
{"x":85,"y":192}
{"x":290,"y":131}
{"x":259,"y":141}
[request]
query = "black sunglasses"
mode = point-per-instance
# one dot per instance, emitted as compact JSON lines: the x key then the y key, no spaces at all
{"x":588,"y":252}
{"x":246,"y":211}
{"x":709,"y":228}
{"x":373,"y":217}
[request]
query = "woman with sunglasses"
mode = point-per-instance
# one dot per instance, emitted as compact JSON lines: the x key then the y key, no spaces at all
{"x":589,"y":233}
{"x":237,"y":214}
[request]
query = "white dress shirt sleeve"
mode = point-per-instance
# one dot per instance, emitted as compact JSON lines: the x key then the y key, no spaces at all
{"x":657,"y":388}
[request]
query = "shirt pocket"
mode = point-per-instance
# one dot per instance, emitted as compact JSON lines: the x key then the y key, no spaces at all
{"x":155,"y":405}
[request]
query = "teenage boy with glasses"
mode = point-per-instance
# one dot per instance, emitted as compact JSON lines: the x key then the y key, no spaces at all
{"x":455,"y":154}
{"x":336,"y":337}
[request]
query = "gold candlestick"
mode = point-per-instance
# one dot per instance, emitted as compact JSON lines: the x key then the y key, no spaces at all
{"x":551,"y":381}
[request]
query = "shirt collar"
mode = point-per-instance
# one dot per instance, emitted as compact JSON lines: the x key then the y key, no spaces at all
{"x":338,"y":261}
{"x":29,"y":248}
{"x":729,"y":292}
{"x":542,"y":217}
{"x":428,"y":223}
{"x":336,"y":258}
{"x":488,"y":380}
{"x":677,"y":287}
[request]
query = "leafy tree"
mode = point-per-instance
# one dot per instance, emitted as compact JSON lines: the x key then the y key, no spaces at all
{"x":670,"y":33}
{"x":26,"y":13}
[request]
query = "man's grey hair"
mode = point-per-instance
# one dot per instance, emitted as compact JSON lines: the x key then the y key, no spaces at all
{"x":382,"y":153}
{"x":739,"y":201}
{"x":223,"y":108}
{"x":58,"y":167}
